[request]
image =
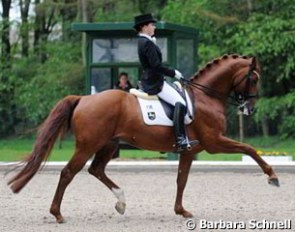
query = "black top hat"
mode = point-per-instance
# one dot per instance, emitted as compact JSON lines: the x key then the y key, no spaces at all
{"x":143,"y":19}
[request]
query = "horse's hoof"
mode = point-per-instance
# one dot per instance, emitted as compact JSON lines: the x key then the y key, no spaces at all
{"x":187,"y":214}
{"x":184,"y":213}
{"x":57,"y":215}
{"x":274,"y":182}
{"x":120,"y":207}
{"x":60,"y":219}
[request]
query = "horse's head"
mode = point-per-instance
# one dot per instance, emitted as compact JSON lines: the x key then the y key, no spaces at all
{"x":246,"y":87}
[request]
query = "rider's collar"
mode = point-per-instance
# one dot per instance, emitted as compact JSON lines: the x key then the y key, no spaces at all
{"x":153,"y":39}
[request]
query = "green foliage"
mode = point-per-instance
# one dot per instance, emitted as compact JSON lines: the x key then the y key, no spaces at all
{"x":14,"y":149}
{"x":212,"y":18}
{"x":42,"y":85}
{"x":31,"y":85}
{"x":195,"y":14}
{"x":279,"y":111}
{"x":125,"y":10}
{"x":107,"y":11}
{"x":271,"y":39}
{"x":265,"y":29}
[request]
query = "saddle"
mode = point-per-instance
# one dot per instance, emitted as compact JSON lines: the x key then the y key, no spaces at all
{"x":156,"y":111}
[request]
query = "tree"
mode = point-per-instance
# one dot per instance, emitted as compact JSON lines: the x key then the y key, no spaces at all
{"x":5,"y":29}
{"x":24,"y":10}
{"x":263,"y":28}
{"x":45,"y":20}
{"x":271,"y":36}
{"x":6,"y":86}
{"x":153,"y":6}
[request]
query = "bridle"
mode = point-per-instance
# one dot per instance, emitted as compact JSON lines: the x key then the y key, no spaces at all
{"x":240,"y":99}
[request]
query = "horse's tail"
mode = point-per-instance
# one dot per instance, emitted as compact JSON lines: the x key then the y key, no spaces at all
{"x":57,"y":123}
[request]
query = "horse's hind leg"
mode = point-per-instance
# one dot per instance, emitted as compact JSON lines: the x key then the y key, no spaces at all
{"x":97,"y":169}
{"x":67,"y":174}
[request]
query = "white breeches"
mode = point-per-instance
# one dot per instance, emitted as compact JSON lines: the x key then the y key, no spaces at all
{"x":170,"y":95}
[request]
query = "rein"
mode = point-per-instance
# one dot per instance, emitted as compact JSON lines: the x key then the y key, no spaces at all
{"x":210,"y":91}
{"x":240,"y":99}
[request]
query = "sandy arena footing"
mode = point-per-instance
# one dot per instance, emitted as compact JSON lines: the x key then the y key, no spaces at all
{"x":213,"y":194}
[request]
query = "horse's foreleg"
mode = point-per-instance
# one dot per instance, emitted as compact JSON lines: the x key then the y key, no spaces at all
{"x":67,"y":174}
{"x":185,"y":163}
{"x":226,"y":145}
{"x":97,"y":169}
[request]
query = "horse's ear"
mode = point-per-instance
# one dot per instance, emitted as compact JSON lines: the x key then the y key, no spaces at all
{"x":254,"y":62}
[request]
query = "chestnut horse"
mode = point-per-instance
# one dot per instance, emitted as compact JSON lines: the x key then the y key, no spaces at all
{"x":99,"y":120}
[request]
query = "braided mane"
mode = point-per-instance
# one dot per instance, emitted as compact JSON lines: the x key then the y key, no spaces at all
{"x":218,"y":61}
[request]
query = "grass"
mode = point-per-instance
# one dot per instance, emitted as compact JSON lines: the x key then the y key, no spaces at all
{"x":16,"y":149}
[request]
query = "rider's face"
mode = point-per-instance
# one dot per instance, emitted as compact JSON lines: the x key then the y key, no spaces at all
{"x":149,"y":29}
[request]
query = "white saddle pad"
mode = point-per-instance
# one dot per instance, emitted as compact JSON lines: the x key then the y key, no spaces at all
{"x":153,"y":112}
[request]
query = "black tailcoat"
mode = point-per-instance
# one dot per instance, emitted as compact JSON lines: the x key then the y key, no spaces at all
{"x":150,"y":57}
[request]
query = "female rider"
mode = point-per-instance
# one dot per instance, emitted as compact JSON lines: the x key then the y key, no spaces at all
{"x":153,"y":81}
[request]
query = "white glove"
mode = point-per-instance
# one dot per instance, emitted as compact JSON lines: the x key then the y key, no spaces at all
{"x":178,"y":75}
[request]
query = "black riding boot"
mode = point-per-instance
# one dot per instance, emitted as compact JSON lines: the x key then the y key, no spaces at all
{"x":179,"y":128}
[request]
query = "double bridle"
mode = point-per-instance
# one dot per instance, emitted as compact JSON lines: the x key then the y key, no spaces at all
{"x":240,"y":98}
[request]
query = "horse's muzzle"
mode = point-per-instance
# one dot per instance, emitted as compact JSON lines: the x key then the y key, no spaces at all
{"x":246,"y":108}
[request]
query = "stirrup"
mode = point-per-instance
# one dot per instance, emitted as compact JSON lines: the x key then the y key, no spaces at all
{"x":191,"y":143}
{"x":185,"y":144}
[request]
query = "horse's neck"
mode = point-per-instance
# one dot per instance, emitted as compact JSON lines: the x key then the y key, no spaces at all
{"x":218,"y":76}
{"x":218,"y":81}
